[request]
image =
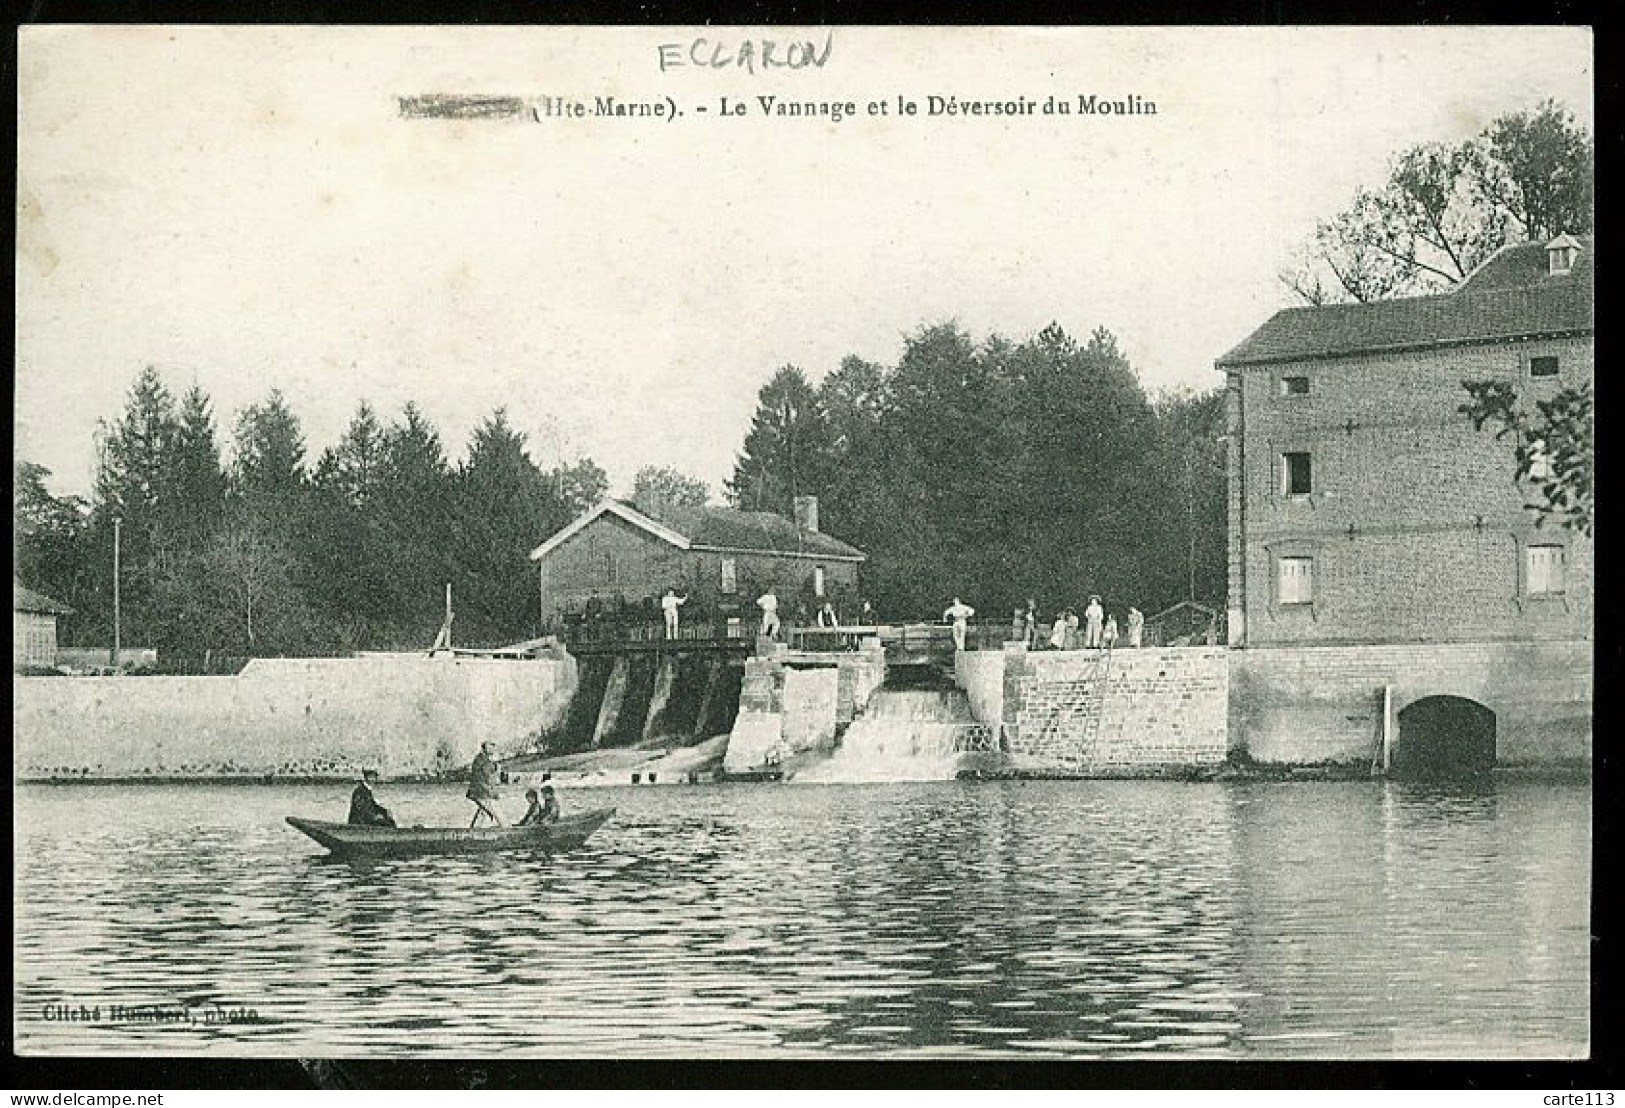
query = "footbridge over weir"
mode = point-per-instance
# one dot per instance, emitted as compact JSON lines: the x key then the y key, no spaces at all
{"x":896,"y":702}
{"x":639,"y":686}
{"x":904,"y":644}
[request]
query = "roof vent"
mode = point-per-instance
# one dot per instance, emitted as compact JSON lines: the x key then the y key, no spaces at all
{"x":1560,"y":254}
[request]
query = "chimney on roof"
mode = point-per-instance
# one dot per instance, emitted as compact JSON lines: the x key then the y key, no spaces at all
{"x":807,"y":513}
{"x":1560,"y":254}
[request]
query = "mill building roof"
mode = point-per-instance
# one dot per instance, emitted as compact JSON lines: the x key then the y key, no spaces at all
{"x":1513,"y":294}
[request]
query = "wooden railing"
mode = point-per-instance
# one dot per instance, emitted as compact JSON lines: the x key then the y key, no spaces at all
{"x":829,"y":639}
{"x":908,"y":639}
{"x":901,"y":638}
{"x":609,"y":632}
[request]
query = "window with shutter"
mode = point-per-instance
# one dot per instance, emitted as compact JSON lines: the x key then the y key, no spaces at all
{"x":1543,"y":570}
{"x":1295,"y":476}
{"x":1295,"y":580}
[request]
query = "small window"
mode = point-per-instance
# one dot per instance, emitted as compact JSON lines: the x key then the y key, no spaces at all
{"x":1295,"y":474}
{"x":1295,"y":580}
{"x":818,"y":581}
{"x":1543,"y":570}
{"x":1544,"y":366}
{"x":1294,"y":386}
{"x":609,"y":569}
{"x":730,"y":576}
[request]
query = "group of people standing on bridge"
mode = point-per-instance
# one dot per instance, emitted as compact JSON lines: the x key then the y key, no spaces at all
{"x":827,"y":616}
{"x":1096,"y":630}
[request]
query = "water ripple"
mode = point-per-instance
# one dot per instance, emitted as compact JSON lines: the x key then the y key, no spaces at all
{"x":1047,"y":919}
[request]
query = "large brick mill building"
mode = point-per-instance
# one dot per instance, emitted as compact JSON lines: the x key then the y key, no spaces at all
{"x":1366,"y":511}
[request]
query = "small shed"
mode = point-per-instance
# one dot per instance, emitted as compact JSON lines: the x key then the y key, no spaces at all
{"x":33,"y":642}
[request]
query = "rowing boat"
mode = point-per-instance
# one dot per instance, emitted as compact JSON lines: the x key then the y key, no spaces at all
{"x":356,"y":841}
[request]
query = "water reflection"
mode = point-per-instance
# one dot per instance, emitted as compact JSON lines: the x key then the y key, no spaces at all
{"x":1073,"y":919}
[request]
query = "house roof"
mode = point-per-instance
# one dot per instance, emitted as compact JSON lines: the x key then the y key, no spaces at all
{"x":1511,"y":295}
{"x":24,"y":599}
{"x":710,"y":528}
{"x":754,"y":532}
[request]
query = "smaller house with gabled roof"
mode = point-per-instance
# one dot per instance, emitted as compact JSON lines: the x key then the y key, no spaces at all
{"x":34,"y":616}
{"x":615,"y":559}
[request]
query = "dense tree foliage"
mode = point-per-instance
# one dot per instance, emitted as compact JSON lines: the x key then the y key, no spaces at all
{"x":999,"y":471}
{"x":786,"y":449}
{"x":262,"y":556}
{"x":995,"y":469}
{"x":1445,"y":208}
{"x":657,"y":487}
{"x":49,"y":537}
{"x":1553,"y":447}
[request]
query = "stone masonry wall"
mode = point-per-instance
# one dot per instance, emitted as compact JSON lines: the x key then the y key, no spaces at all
{"x":785,"y":710}
{"x":810,"y":699}
{"x":981,"y":674}
{"x":1160,"y":707}
{"x":287,"y":717}
{"x":861,"y":674}
{"x":758,"y":730}
{"x":1307,"y":705}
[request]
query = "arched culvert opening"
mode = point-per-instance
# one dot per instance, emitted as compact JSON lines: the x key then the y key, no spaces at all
{"x":1443,"y":737}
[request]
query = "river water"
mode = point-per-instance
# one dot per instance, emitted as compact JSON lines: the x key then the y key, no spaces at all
{"x":1119,"y":919}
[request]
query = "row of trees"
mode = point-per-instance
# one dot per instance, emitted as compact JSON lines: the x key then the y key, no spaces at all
{"x":993,"y":469}
{"x":271,"y":555}
{"x":999,"y":471}
{"x":1445,"y":207}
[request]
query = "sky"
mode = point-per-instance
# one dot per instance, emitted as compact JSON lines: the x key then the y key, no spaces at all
{"x":246,"y":209}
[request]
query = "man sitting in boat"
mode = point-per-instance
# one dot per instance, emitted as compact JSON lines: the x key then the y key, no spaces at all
{"x":364,"y":807}
{"x":483,"y":778}
{"x":543,"y":810}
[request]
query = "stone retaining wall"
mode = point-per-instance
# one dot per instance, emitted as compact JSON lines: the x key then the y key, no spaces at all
{"x":1158,"y":708}
{"x":1307,"y":705}
{"x":286,"y":717}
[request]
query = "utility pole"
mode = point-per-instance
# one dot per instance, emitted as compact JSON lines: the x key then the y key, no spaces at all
{"x":114,"y":658}
{"x":1190,"y":519}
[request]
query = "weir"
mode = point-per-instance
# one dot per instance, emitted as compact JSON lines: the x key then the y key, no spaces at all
{"x":911,"y":730}
{"x":644,"y":698}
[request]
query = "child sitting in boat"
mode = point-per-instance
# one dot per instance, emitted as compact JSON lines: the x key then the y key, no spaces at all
{"x":541,"y":811}
{"x":364,"y":807}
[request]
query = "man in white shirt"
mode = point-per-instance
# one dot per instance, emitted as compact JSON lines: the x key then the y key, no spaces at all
{"x":769,"y":604}
{"x":1093,"y":616}
{"x":960,"y":613}
{"x":669,"y":605}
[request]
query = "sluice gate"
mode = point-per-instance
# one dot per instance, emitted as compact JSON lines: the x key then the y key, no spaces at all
{"x":647,"y":697}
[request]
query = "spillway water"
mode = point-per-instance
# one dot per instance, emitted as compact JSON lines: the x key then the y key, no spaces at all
{"x":906,"y":734}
